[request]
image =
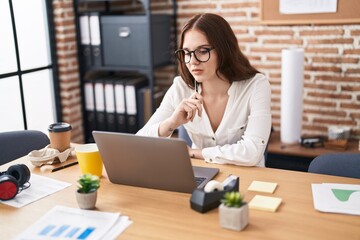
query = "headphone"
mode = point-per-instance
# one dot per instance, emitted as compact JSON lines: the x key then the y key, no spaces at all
{"x":13,"y":181}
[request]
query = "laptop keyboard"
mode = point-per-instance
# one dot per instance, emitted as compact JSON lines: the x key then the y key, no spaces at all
{"x":199,"y":180}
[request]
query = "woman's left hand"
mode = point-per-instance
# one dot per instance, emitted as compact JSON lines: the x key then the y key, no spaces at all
{"x":195,"y":153}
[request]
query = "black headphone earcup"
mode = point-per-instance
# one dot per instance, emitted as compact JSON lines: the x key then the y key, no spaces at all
{"x":9,"y":187}
{"x":20,"y":172}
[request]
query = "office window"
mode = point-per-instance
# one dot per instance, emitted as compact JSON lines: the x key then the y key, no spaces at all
{"x":27,"y":78}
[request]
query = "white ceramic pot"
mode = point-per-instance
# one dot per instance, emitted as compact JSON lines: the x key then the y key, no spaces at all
{"x":86,"y":200}
{"x":234,"y":218}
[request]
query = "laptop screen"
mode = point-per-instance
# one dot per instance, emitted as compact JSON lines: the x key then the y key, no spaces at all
{"x":150,"y":162}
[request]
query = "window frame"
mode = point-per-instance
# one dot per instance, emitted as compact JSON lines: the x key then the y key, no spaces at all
{"x":53,"y":66}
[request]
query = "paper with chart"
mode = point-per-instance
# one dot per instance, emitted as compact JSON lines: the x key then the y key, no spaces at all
{"x":337,"y":198}
{"x":72,"y":223}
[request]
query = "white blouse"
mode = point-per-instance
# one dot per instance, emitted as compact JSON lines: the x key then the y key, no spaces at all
{"x":243,"y":133}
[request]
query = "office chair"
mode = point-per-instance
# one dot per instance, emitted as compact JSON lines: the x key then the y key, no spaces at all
{"x":337,"y":164}
{"x":182,"y":133}
{"x":16,"y":144}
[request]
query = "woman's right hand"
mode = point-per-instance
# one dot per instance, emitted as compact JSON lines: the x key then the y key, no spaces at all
{"x":185,"y":112}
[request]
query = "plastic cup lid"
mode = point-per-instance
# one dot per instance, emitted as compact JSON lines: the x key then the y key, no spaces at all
{"x":59,"y":127}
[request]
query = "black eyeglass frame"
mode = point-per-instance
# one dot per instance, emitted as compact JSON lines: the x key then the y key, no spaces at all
{"x":208,"y":49}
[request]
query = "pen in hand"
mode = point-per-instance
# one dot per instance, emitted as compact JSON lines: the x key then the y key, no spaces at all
{"x":196,"y":86}
{"x":64,"y":166}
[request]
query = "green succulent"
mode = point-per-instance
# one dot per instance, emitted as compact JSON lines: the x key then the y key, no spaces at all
{"x":88,"y":183}
{"x":233,"y":199}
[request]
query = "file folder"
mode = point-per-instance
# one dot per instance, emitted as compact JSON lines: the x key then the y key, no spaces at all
{"x":85,"y":40}
{"x":158,"y":97}
{"x":146,"y":101}
{"x":120,"y":105}
{"x":110,"y":105}
{"x":90,"y":111}
{"x":145,"y":105}
{"x":100,"y":105}
{"x":95,"y":38}
{"x":132,"y":102}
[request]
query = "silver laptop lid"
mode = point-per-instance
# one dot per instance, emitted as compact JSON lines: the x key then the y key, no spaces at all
{"x":150,"y":162}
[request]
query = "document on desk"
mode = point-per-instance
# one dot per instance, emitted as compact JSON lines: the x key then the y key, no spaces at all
{"x":40,"y":187}
{"x":337,"y":198}
{"x":72,"y":223}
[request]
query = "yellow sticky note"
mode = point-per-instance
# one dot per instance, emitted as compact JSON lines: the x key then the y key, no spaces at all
{"x":258,"y":186}
{"x":265,"y":203}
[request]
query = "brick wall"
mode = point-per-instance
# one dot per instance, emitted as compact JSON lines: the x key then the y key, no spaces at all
{"x":68,"y":66}
{"x":332,"y":61}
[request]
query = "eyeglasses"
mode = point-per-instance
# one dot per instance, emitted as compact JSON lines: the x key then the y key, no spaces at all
{"x":201,"y":54}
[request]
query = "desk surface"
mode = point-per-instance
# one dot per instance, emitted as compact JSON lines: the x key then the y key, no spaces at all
{"x":277,"y":147}
{"x":167,"y":215}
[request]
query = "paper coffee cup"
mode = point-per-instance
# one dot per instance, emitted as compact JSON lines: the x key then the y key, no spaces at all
{"x":89,"y":159}
{"x":60,"y":135}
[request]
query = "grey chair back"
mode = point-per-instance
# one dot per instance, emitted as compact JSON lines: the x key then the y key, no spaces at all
{"x":182,"y":133}
{"x":337,"y":164}
{"x":16,"y":144}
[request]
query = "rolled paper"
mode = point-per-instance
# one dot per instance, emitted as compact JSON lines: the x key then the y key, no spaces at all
{"x":292,"y":81}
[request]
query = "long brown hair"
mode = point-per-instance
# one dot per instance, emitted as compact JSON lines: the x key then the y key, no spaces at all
{"x":232,"y":63}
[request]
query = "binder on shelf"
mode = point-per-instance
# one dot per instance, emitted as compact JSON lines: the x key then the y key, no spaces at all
{"x":120,"y":106}
{"x":85,"y":47}
{"x":90,"y":123}
{"x":145,"y":103}
{"x":145,"y":108}
{"x":95,"y":39}
{"x":158,"y":97}
{"x":132,"y":94}
{"x":100,"y":105}
{"x":110,"y":105}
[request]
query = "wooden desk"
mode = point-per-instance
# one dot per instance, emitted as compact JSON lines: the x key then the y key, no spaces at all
{"x":297,"y":157}
{"x":167,"y":215}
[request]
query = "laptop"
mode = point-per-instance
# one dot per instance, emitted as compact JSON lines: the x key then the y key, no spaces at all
{"x":150,"y":162}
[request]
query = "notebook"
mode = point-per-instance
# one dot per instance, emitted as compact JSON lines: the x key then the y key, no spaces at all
{"x":150,"y":162}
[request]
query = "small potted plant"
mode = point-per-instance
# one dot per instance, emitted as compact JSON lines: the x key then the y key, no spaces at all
{"x":233,"y":211}
{"x":86,"y":193}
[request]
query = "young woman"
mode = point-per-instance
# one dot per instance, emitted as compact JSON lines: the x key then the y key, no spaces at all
{"x":221,"y":100}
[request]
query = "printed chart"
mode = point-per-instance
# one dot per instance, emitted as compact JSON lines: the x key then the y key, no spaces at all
{"x":71,"y":223}
{"x":337,"y":198}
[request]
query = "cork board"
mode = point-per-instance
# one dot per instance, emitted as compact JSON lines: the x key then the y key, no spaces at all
{"x":348,"y":12}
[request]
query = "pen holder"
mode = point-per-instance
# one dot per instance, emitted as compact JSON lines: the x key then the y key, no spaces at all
{"x":202,"y":201}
